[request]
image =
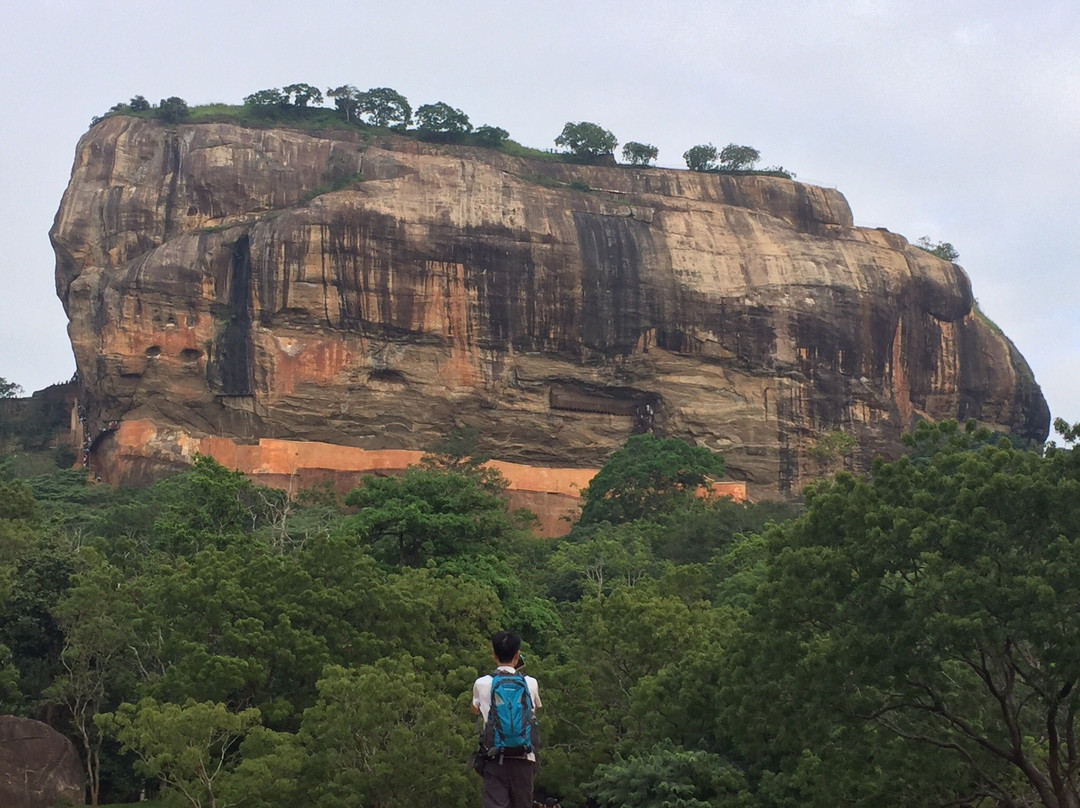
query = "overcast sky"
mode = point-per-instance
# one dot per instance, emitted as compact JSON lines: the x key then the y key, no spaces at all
{"x":955,"y":120}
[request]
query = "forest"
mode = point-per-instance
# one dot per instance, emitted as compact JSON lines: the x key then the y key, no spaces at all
{"x":908,"y":637}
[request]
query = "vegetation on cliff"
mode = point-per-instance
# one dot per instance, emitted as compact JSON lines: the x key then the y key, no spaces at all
{"x":907,"y":640}
{"x":383,"y":108}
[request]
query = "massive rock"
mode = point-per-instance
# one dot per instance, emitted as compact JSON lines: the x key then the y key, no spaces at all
{"x":374,"y":292}
{"x":39,"y":767}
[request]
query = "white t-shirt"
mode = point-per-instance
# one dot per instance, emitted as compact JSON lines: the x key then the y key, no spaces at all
{"x":481,"y":694}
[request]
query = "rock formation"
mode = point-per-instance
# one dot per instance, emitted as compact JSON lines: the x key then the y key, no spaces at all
{"x":374,"y":292}
{"x":39,"y":767}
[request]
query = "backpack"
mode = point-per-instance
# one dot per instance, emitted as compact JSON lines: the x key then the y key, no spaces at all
{"x":510,"y":729}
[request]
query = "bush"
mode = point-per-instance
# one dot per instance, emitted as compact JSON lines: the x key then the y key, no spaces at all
{"x":173,"y":110}
{"x":639,"y":154}
{"x":490,"y":136}
{"x":586,"y":140}
{"x":701,"y":158}
{"x":738,"y":158}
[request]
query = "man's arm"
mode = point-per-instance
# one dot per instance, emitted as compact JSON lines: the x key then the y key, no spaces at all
{"x":475,"y":706}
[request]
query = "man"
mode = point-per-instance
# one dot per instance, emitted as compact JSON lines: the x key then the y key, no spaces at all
{"x":508,"y":780}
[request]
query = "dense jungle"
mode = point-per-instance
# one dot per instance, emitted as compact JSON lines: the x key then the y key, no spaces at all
{"x":904,"y":638}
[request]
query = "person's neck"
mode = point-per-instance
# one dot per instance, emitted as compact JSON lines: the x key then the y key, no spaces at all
{"x":505,"y":665}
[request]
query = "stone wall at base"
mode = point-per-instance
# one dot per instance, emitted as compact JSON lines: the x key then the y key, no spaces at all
{"x":552,"y":494}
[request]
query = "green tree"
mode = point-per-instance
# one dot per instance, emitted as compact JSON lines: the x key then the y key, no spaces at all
{"x":173,"y":110}
{"x":429,"y":514}
{"x":607,"y":556}
{"x":926,"y":604}
{"x":942,"y":249}
{"x":9,"y":389}
{"x":139,"y":104}
{"x":706,"y":528}
{"x":639,"y":154}
{"x":38,"y":570}
{"x":738,"y":158}
{"x":458,"y":450}
{"x":207,"y":506}
{"x":189,"y":748}
{"x":648,"y":477}
{"x":616,"y":646}
{"x":832,"y":450}
{"x":267,"y":103}
{"x":385,"y":107}
{"x":269,"y":772}
{"x":667,"y":775}
{"x":442,"y":120}
{"x":701,"y":158}
{"x":238,"y":625}
{"x":368,"y":722}
{"x":347,"y":101}
{"x":19,"y":539}
{"x":586,"y":140}
{"x":300,"y":95}
{"x":96,"y":618}
{"x":491,"y":136}
{"x":17,"y":501}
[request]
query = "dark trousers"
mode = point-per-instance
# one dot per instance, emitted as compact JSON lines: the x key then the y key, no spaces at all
{"x":508,"y":784}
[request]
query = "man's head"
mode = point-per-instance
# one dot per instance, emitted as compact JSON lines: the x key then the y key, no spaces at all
{"x":506,"y":645}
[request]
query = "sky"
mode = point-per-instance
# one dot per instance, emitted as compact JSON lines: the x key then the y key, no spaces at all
{"x":958,"y":120}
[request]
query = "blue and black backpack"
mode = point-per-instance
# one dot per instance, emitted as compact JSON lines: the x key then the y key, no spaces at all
{"x":510,"y":730}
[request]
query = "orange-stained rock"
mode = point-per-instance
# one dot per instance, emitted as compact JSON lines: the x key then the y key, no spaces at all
{"x":214,"y":296}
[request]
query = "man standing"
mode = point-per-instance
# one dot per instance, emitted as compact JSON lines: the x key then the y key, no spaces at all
{"x":508,"y":776}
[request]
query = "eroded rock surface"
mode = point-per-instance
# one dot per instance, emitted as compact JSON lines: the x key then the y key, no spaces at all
{"x":216,"y":286}
{"x":39,"y":767}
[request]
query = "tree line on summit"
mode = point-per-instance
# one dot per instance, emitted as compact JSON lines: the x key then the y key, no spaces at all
{"x":384,"y":107}
{"x":905,"y":637}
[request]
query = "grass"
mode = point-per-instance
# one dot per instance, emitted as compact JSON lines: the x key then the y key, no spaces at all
{"x":326,"y":118}
{"x":982,"y":316}
{"x":338,"y":184}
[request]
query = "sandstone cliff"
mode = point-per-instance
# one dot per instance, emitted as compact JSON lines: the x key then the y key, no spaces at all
{"x":216,"y":286}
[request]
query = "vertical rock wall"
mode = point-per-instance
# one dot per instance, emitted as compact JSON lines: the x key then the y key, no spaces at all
{"x":214,"y":291}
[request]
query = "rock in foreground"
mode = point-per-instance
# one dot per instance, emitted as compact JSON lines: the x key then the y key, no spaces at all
{"x":39,"y":767}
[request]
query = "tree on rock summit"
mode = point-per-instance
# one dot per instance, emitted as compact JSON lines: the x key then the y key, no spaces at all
{"x":586,"y":140}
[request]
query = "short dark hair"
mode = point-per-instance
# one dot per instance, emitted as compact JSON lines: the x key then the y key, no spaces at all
{"x":505,"y":644}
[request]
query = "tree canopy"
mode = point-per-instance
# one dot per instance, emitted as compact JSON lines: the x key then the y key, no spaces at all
{"x":904,"y":637}
{"x":701,"y":158}
{"x":639,"y":154}
{"x":347,"y":101}
{"x":738,"y":158}
{"x":926,"y":604}
{"x":173,"y":110}
{"x":942,"y":249}
{"x":9,"y":389}
{"x":491,"y":136}
{"x":648,"y":475}
{"x":384,"y":106}
{"x":441,"y":119}
{"x":586,"y":140}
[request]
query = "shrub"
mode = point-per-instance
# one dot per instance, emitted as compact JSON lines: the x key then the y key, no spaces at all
{"x":701,"y":158}
{"x":173,"y":110}
{"x":639,"y":154}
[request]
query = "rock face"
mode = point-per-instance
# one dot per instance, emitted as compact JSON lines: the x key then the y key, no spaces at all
{"x":218,"y":285}
{"x":39,"y":767}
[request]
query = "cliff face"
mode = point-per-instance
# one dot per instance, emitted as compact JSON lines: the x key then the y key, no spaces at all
{"x":216,"y":285}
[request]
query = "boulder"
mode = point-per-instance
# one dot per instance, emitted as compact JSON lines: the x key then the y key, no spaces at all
{"x":39,"y":767}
